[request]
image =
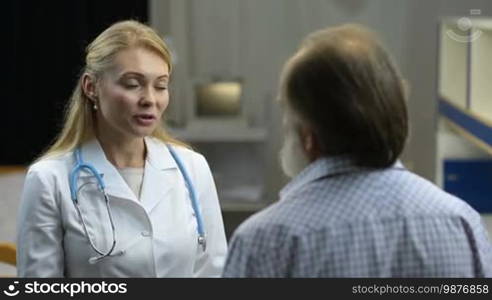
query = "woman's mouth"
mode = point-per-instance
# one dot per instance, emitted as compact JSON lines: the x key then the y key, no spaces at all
{"x":145,"y":119}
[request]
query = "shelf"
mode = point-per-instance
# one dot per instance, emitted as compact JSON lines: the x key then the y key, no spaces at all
{"x":241,"y":198}
{"x":229,"y":206}
{"x":471,"y":126}
{"x":219,"y":131}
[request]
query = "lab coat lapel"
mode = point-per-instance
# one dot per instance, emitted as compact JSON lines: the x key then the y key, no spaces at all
{"x":93,"y":154}
{"x":160,"y":175}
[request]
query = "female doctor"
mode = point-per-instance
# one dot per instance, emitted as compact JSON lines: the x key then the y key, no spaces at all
{"x":115,"y":196}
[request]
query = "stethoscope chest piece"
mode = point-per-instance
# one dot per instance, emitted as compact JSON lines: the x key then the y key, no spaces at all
{"x":203,"y":242}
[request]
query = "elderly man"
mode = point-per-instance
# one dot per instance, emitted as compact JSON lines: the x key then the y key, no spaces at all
{"x":352,"y":209}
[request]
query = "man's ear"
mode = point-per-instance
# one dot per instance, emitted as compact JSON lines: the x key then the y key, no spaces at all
{"x":310,"y":142}
{"x":89,"y":87}
{"x":405,"y":84}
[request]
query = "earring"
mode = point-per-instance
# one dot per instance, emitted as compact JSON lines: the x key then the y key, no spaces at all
{"x":94,"y":99}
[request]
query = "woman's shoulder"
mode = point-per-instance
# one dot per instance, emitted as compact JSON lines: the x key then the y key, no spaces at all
{"x":185,"y":154}
{"x":51,"y":164}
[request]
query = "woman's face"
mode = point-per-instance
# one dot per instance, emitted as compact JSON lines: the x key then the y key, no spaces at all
{"x":133,"y":94}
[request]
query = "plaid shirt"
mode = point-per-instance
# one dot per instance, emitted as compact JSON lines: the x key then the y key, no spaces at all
{"x":339,"y":220}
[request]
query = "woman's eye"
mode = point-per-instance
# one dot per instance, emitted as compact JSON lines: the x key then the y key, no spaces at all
{"x":161,"y":87}
{"x":130,"y":84}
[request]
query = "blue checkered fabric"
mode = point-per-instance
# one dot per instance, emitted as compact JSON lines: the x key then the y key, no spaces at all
{"x":339,"y":220}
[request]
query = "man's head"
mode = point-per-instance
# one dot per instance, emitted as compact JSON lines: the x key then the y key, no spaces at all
{"x":343,"y":95}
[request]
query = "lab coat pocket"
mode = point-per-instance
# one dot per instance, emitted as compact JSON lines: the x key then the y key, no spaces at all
{"x":94,"y":214}
{"x":134,"y":241}
{"x":131,"y":222}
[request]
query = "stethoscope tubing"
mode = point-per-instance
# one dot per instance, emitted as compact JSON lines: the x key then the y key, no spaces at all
{"x":80,"y":165}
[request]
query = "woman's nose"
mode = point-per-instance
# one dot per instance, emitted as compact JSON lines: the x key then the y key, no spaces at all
{"x":148,"y":97}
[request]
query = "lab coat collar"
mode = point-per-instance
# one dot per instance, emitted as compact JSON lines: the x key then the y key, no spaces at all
{"x":158,"y":155}
{"x":159,"y":174}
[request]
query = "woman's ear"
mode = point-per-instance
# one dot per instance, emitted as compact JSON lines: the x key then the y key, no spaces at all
{"x":89,"y":87}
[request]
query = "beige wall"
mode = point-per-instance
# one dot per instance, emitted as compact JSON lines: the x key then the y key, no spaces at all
{"x":252,"y":39}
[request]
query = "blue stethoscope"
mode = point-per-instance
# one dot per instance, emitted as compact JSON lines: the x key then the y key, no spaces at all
{"x":81,"y":165}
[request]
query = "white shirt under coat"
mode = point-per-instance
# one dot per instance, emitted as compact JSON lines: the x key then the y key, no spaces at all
{"x":156,"y":236}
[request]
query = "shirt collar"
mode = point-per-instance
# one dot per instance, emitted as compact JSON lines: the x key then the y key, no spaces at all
{"x":327,"y":167}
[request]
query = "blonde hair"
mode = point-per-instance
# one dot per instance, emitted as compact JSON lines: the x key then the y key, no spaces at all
{"x":79,"y":117}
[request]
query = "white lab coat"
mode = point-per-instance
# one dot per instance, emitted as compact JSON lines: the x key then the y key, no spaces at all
{"x":156,"y":236}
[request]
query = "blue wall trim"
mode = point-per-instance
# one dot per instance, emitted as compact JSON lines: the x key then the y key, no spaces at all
{"x":475,"y":127}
